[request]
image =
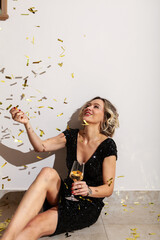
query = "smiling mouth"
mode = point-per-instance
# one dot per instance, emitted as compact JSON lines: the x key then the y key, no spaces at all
{"x":88,"y":114}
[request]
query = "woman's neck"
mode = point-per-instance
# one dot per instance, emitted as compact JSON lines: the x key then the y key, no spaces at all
{"x":91,"y":133}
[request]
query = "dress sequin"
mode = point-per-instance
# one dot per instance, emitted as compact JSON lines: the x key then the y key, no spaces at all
{"x":77,"y":215}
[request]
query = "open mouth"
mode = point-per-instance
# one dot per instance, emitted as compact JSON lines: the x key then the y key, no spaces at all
{"x":87,"y":113}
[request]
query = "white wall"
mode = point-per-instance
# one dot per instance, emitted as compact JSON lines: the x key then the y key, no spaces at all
{"x":112,"y":47}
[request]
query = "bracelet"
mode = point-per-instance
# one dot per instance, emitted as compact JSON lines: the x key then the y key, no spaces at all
{"x":89,"y":191}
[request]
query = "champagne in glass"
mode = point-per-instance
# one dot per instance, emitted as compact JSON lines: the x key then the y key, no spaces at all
{"x":76,"y":174}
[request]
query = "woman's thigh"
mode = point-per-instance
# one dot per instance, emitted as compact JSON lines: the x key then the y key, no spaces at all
{"x":43,"y":224}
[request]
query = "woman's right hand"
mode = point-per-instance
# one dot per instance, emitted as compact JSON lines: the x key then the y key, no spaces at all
{"x":19,"y":116}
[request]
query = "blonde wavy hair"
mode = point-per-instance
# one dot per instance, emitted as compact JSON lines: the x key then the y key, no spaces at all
{"x":110,"y":122}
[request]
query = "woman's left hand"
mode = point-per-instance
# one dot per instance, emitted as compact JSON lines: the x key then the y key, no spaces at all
{"x":80,"y":188}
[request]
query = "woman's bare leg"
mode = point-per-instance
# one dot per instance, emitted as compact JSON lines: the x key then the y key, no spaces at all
{"x":42,"y":225}
{"x":47,"y":184}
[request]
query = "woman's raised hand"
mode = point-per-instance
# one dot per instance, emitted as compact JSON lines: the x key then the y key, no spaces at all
{"x":19,"y":116}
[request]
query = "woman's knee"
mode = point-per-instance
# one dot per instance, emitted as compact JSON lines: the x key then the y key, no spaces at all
{"x":48,"y":174}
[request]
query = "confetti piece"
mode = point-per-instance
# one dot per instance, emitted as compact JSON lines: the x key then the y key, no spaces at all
{"x":27,"y":62}
{"x":13,"y":84}
{"x":32,"y":10}
{"x":58,"y":129}
{"x":41,"y":132}
{"x":37,"y":62}
{"x":110,"y":180}
{"x":16,"y":140}
{"x":3,"y":164}
{"x":62,"y":55}
{"x":67,"y":235}
{"x":60,"y":40}
{"x":65,"y":101}
{"x":18,"y":77}
{"x":120,"y":176}
{"x":151,"y":203}
{"x":106,"y":213}
{"x":21,"y":131}
{"x":136,"y":203}
{"x":60,"y":64}
{"x":25,"y":14}
{"x":59,"y":114}
{"x":29,"y":100}
{"x":41,"y":107}
{"x":0,"y":103}
{"x":55,"y":100}
{"x":3,"y":81}
{"x":151,"y":233}
{"x":42,"y":72}
{"x":51,"y":107}
{"x":22,"y":96}
{"x":72,"y":74}
{"x":68,"y":128}
{"x":8,"y":77}
{"x":85,"y":123}
{"x":8,"y":179}
{"x":2,"y":70}
{"x":25,"y":83}
{"x":48,"y":66}
{"x":9,"y":107}
{"x":39,"y":157}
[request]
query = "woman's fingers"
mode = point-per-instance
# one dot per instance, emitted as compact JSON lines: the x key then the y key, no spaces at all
{"x":80,"y":188}
{"x":18,"y":115}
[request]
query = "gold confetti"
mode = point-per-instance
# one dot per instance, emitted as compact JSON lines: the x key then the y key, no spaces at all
{"x":29,"y":100}
{"x":41,"y":107}
{"x":8,"y":77}
{"x":85,"y":123}
{"x":120,"y":176}
{"x":25,"y":14}
{"x":151,"y":233}
{"x":72,"y":74}
{"x":54,"y":99}
{"x":8,"y":179}
{"x":58,"y":129}
{"x":41,"y":132}
{"x":4,"y":178}
{"x":39,"y":157}
{"x":60,"y":40}
{"x":3,"y":164}
{"x":60,"y":64}
{"x":65,"y":101}
{"x":22,"y":96}
{"x":16,"y":140}
{"x":110,"y":180}
{"x":68,"y":128}
{"x":42,"y":72}
{"x":3,"y":81}
{"x":2,"y":186}
{"x":136,"y":203}
{"x":9,"y":107}
{"x":51,"y":107}
{"x":151,"y":203}
{"x":37,"y":62}
{"x":59,"y":114}
{"x":21,"y":131}
{"x":0,"y":103}
{"x":32,"y":10}
{"x":62,"y":55}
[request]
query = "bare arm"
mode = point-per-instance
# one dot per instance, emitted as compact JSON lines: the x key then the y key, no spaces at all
{"x":105,"y":190}
{"x":39,"y":145}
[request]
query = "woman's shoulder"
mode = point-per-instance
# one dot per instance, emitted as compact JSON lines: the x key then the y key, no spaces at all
{"x":109,"y":147}
{"x":70,"y":132}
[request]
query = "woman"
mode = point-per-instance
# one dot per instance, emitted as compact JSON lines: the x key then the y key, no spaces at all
{"x":92,"y":146}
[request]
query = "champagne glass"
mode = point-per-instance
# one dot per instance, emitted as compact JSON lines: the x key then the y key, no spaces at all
{"x":76,"y":174}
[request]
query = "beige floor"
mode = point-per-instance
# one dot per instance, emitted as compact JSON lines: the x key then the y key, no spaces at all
{"x":126,"y":216}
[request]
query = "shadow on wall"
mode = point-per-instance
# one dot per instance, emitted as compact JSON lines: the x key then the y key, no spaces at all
{"x":18,"y":158}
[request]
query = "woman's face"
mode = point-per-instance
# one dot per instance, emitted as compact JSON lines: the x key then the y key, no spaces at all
{"x":94,"y":111}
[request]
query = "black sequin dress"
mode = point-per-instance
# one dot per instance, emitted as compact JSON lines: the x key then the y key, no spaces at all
{"x":77,"y":215}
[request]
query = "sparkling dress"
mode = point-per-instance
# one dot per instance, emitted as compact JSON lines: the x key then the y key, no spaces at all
{"x":77,"y":215}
